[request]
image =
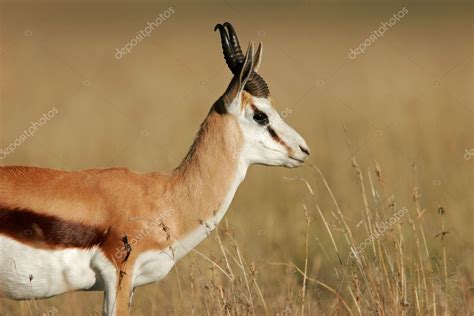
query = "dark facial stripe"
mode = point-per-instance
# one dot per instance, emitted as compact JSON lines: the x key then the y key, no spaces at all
{"x":48,"y":231}
{"x":278,"y":139}
{"x":274,"y":134}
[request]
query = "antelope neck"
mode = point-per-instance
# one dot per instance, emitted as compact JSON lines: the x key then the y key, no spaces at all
{"x":207,"y":179}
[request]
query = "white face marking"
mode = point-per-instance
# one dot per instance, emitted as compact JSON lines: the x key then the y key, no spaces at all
{"x":259,"y":145}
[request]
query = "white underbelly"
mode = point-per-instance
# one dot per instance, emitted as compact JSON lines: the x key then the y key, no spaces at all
{"x":27,"y":272}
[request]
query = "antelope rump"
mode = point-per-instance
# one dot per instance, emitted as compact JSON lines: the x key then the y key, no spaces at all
{"x":66,"y":231}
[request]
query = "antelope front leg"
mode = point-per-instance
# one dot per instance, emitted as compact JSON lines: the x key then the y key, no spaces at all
{"x":124,"y":294}
{"x":118,"y":291}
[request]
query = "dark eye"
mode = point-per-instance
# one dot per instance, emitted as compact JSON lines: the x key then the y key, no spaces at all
{"x":261,"y":118}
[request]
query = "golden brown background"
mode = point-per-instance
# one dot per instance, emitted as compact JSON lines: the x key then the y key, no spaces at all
{"x":408,"y":100}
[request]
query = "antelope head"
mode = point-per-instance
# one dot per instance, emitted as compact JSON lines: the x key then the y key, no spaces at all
{"x":268,"y":140}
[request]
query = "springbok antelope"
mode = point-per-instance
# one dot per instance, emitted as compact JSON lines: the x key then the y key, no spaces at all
{"x":113,"y":230}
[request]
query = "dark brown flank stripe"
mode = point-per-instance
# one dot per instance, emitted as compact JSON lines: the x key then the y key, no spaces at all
{"x":46,"y":231}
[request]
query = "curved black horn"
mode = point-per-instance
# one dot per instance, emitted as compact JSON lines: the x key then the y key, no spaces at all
{"x":234,"y":41}
{"x":234,"y":58}
{"x":256,"y":86}
{"x":229,"y":56}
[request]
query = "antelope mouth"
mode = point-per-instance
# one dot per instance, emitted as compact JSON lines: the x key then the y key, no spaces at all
{"x":299,"y":160}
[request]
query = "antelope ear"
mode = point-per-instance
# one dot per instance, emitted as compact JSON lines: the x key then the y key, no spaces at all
{"x":231,"y":95}
{"x":257,"y":60}
{"x":247,"y":68}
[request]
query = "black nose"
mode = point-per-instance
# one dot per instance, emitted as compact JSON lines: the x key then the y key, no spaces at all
{"x":305,"y":150}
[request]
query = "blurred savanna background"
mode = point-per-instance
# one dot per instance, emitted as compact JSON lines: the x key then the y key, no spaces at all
{"x":390,"y":130}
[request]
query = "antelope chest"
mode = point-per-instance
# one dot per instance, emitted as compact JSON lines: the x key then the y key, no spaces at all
{"x":153,"y":265}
